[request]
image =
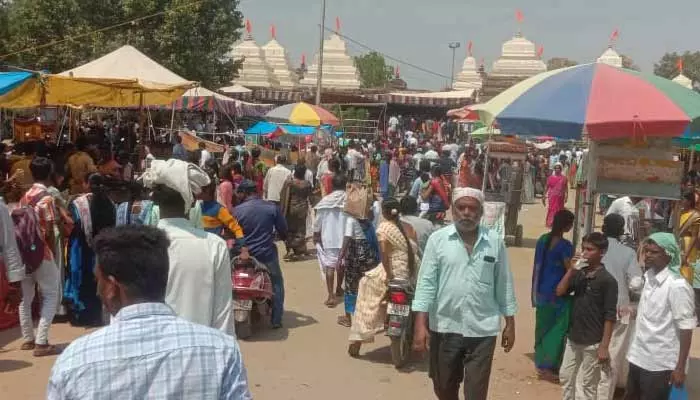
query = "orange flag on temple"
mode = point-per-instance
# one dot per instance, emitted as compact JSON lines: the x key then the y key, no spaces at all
{"x":615,"y":35}
{"x":303,"y":59}
{"x":540,"y":51}
{"x":248,"y":26}
{"x":519,"y":16}
{"x":337,"y":24}
{"x":680,"y":64}
{"x":273,"y":31}
{"x":469,"y":48}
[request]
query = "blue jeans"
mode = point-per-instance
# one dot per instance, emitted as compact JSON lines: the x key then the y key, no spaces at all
{"x":277,"y":290}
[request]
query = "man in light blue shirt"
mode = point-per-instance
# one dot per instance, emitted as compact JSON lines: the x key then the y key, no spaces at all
{"x":148,"y":352}
{"x":464,"y":287}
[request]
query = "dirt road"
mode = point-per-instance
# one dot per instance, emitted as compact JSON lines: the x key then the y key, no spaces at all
{"x":308,"y":360}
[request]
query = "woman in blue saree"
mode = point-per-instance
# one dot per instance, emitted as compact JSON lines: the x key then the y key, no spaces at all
{"x":552,"y":258}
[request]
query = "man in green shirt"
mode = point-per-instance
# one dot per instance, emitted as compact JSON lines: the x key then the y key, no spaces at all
{"x":464,"y":287}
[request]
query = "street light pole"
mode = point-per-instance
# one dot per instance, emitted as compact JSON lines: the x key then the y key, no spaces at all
{"x":454,"y":46}
{"x":319,"y":76}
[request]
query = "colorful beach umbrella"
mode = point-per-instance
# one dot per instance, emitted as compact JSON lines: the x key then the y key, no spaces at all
{"x":605,"y":101}
{"x":302,"y":114}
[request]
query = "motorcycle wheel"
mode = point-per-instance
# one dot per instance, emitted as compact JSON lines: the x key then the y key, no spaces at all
{"x":401,"y":345}
{"x":244,"y":329}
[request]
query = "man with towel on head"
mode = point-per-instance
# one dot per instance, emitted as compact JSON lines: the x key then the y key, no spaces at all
{"x":199,"y":279}
{"x":465,"y":286}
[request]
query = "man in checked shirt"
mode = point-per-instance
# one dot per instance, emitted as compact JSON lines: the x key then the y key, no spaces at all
{"x":147,"y":352}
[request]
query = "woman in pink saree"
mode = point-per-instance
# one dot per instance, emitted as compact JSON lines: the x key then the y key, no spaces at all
{"x":556,"y":193}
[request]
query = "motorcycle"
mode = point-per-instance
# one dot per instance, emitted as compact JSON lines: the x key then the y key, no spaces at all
{"x":252,"y":294}
{"x":400,"y":320}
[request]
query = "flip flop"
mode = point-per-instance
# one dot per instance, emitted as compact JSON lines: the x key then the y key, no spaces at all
{"x":344,"y":321}
{"x":45,"y":351}
{"x":28,"y":346}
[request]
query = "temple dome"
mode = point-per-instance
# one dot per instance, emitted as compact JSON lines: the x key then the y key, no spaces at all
{"x":469,"y":77}
{"x":683,"y":81}
{"x":611,"y":57}
{"x":255,"y":71}
{"x":518,"y":58}
{"x":276,"y":58}
{"x":339,"y":71}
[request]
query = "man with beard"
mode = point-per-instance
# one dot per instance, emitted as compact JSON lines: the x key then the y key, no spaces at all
{"x":464,"y":287}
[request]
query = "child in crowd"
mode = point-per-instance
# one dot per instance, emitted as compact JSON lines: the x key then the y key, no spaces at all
{"x":592,"y":319}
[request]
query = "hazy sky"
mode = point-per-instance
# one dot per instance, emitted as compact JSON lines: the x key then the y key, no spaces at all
{"x":418,"y":31}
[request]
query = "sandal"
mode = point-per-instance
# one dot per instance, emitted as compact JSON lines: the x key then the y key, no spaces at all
{"x":28,"y":345}
{"x":46,"y":350}
{"x":354,"y":349}
{"x":344,"y":321}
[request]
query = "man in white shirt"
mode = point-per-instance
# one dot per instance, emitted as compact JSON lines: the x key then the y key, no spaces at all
{"x":666,"y":318}
{"x":275,"y":178}
{"x":628,"y":208}
{"x":621,"y":262}
{"x":199,"y":279}
{"x":354,"y":158}
{"x":204,"y":156}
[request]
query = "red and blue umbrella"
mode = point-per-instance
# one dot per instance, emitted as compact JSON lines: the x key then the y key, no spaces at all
{"x":605,"y":101}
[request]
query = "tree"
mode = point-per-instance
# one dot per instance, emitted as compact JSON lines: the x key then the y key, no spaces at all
{"x":668,"y":65}
{"x":628,"y":62}
{"x":193,"y":39}
{"x":560,"y":62}
{"x":374,"y":72}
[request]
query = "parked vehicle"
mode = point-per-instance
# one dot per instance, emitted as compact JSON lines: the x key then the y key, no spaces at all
{"x":252,"y":294}
{"x":400,"y":320}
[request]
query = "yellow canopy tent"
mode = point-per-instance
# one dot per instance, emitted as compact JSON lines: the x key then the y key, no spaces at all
{"x":57,"y":90}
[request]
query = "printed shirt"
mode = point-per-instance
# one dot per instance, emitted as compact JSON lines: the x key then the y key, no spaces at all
{"x":150,"y":353}
{"x":465,"y":293}
{"x":216,"y":217}
{"x":45,"y":209}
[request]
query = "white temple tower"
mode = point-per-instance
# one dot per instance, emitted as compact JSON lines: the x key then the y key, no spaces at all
{"x":255,"y":71}
{"x":339,"y":71}
{"x":276,"y":58}
{"x":469,"y":77}
{"x":610,"y":57}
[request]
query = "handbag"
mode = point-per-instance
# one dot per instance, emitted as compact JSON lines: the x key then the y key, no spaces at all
{"x":358,"y":201}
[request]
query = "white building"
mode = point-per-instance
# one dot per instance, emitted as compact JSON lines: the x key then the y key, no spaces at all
{"x":518,"y":59}
{"x":255,"y":71}
{"x":276,"y":57}
{"x":610,"y":57}
{"x":469,"y":77}
{"x":339,"y":71}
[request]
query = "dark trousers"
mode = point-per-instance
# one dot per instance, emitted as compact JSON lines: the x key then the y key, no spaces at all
{"x":647,"y":385}
{"x":277,"y":290}
{"x":454,"y":358}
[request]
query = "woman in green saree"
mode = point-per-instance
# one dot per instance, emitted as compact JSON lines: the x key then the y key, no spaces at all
{"x":552,"y":258}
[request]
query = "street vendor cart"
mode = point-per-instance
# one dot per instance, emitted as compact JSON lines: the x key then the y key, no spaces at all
{"x":508,"y":199}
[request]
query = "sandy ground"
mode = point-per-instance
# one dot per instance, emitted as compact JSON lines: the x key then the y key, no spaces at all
{"x":308,"y":360}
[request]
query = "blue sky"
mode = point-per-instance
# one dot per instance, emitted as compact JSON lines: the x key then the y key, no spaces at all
{"x":418,"y":31}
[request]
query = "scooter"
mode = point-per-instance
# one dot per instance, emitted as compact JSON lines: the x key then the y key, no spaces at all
{"x":400,"y":320}
{"x":252,"y":294}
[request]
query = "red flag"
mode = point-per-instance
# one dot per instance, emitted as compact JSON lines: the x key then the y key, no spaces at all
{"x":540,"y":51}
{"x":519,"y":16}
{"x":680,"y":64}
{"x":337,"y":24}
{"x":303,"y":59}
{"x":273,"y":31}
{"x":469,"y":48}
{"x":615,"y":35}
{"x":397,"y":72}
{"x":248,"y":26}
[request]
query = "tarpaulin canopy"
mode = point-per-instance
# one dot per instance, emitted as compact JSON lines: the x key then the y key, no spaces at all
{"x":269,"y":128}
{"x":157,"y":82}
{"x":10,"y":80}
{"x":55,"y":90}
{"x":203,"y":99}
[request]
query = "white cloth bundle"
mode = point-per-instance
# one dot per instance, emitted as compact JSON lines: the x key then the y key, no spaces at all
{"x":185,"y":178}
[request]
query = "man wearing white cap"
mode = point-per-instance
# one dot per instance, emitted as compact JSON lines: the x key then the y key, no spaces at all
{"x":464,"y":287}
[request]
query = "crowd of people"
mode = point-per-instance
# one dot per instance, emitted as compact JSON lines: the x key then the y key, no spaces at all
{"x":148,"y":255}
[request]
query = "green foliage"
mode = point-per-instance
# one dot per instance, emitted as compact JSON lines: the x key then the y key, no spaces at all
{"x":560,"y":62}
{"x":668,"y":65}
{"x":373,"y":70}
{"x":191,"y":38}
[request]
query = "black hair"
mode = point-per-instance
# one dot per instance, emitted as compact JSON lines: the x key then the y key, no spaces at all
{"x":226,"y":172}
{"x":281,"y":159}
{"x":202,"y":145}
{"x":334,"y":164}
{"x":388,"y":206}
{"x":300,"y":171}
{"x":597,"y":239}
{"x":562,"y":219}
{"x":167,"y":198}
{"x":81,"y":143}
{"x":409,"y":205}
{"x":136,"y":256}
{"x":178,"y":138}
{"x":339,"y":182}
{"x":41,"y":168}
{"x":102,"y":210}
{"x":436,"y":171}
{"x":613,"y":225}
{"x":237,"y":168}
{"x":424,"y":166}
{"x":314,"y":148}
{"x":689,"y":195}
{"x":255,"y":153}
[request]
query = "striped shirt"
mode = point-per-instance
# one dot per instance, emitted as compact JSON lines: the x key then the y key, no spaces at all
{"x":150,"y":353}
